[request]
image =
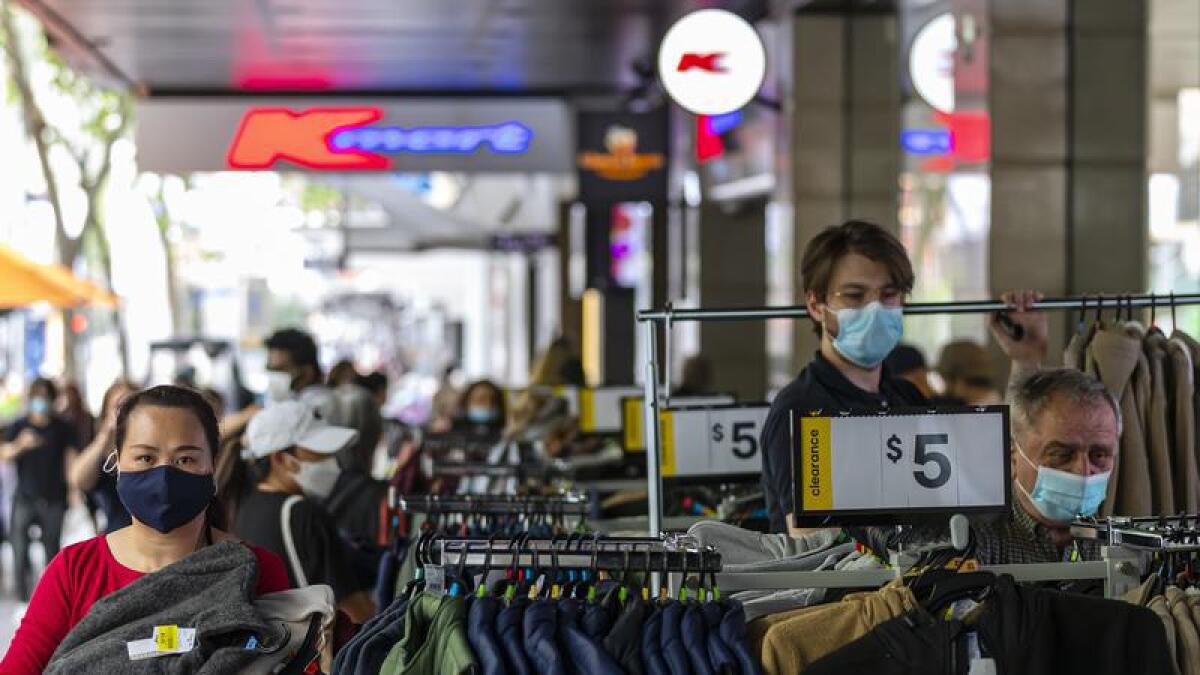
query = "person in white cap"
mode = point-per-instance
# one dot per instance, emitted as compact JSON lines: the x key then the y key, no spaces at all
{"x":273,"y":492}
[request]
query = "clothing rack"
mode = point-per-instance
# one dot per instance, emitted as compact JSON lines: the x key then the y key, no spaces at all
{"x":488,"y":470}
{"x":666,"y":317}
{"x":571,"y":503}
{"x":612,"y":554}
{"x":1160,"y":534}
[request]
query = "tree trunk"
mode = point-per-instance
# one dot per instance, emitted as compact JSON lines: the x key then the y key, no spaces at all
{"x":35,"y":126}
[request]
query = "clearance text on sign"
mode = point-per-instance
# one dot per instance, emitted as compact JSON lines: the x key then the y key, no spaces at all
{"x":719,"y":441}
{"x":953,"y":460}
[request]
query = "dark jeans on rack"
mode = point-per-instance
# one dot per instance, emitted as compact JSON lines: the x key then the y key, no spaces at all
{"x":48,"y":516}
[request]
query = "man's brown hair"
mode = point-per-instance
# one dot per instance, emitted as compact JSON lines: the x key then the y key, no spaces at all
{"x":853,"y":236}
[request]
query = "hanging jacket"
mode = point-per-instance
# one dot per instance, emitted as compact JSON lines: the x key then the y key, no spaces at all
{"x":1182,"y":396}
{"x":787,"y":643}
{"x":510,"y":632}
{"x":1188,"y":656}
{"x":1157,"y":429}
{"x":671,"y":640}
{"x":1025,"y":630}
{"x":734,"y":635}
{"x":584,"y":655}
{"x":181,"y":594}
{"x":719,"y":654}
{"x":481,"y":633}
{"x":1194,"y":351}
{"x":1113,"y":357}
{"x":434,"y":640}
{"x":652,"y":652}
{"x":540,"y":631}
{"x":623,"y":641}
{"x":694,"y":629}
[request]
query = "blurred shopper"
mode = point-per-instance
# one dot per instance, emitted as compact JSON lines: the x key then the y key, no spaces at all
{"x":89,"y":473}
{"x":856,"y":278}
{"x":42,"y":445}
{"x":357,"y":498}
{"x":293,"y":372}
{"x":273,"y":493}
{"x":482,"y":410}
{"x":72,"y":409}
{"x":966,"y":368}
{"x":445,"y":402}
{"x":908,"y":363}
{"x":697,"y":377}
{"x":377,"y":384}
{"x":164,"y":444}
{"x":342,"y":372}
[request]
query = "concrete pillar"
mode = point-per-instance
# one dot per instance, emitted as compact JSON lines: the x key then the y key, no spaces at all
{"x":733,"y":255}
{"x":845,"y":126}
{"x":1068,"y":88}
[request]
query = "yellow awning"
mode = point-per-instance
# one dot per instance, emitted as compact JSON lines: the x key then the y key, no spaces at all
{"x":24,"y":282}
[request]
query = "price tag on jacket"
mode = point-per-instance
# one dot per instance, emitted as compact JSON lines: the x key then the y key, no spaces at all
{"x":953,"y":460}
{"x":167,"y":640}
{"x":719,"y":441}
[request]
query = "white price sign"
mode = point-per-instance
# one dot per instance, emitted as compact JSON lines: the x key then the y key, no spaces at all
{"x":712,"y":441}
{"x":953,"y":460}
{"x":632,"y":415}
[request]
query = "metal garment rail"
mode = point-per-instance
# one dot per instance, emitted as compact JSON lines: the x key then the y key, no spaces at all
{"x":668,"y":316}
{"x":1120,"y":570}
{"x":572,"y":504}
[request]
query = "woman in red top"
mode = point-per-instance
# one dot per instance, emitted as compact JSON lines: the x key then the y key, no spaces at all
{"x":166,"y":439}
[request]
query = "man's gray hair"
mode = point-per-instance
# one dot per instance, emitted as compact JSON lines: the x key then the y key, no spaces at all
{"x":1030,"y":395}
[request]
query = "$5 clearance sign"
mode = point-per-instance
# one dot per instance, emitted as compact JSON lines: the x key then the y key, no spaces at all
{"x":953,"y":460}
{"x":716,"y":441}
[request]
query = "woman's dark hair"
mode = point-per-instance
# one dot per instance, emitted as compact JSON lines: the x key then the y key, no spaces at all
{"x":182,"y":398}
{"x":497,"y":393}
{"x":236,"y":477}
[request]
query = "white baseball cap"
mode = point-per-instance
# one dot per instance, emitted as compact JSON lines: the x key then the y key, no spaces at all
{"x":293,"y":423}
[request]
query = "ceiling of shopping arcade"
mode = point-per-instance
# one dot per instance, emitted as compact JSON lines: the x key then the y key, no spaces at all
{"x":217,"y":49}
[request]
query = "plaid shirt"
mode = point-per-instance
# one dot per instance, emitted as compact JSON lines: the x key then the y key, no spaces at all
{"x":1017,"y":539}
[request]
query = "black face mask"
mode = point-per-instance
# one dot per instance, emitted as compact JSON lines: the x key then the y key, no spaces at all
{"x":165,"y":497}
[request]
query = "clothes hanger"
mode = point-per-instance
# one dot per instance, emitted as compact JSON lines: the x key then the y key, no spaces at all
{"x":594,"y":571}
{"x":482,"y":591}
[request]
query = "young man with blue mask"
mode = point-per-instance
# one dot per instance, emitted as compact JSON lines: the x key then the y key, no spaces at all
{"x":1066,"y":430}
{"x":856,"y":278}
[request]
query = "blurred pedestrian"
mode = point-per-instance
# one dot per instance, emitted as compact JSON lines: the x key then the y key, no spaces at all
{"x":908,"y":363}
{"x":342,"y":372}
{"x":697,"y":377}
{"x":42,"y":445}
{"x":294,"y":373}
{"x":966,"y":369}
{"x":287,"y":467}
{"x":88,"y":473}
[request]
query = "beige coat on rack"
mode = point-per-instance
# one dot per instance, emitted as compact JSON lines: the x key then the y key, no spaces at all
{"x":1194,"y":352}
{"x":1113,"y":356}
{"x":1158,"y":434}
{"x":1183,"y":436}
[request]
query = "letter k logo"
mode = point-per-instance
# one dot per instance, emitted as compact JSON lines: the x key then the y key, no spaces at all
{"x":271,"y":134}
{"x":708,"y":62}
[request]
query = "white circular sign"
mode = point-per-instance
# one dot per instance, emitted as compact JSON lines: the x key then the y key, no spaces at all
{"x":931,"y":62}
{"x":712,"y":62}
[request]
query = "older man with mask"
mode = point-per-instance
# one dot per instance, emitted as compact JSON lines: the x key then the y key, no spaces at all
{"x":1065,"y":435}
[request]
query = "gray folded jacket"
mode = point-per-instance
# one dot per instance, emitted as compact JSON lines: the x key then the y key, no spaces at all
{"x":748,"y":551}
{"x":210,"y":590}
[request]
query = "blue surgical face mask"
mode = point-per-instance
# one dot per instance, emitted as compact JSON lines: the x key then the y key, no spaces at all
{"x":482,"y":415}
{"x":165,"y":497}
{"x":1061,"y":496}
{"x":868,"y":334}
{"x":39,"y":405}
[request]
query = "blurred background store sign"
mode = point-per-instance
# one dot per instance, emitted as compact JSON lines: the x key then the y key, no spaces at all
{"x":327,"y":134}
{"x":522,"y":243}
{"x":926,"y":141}
{"x":622,"y":156}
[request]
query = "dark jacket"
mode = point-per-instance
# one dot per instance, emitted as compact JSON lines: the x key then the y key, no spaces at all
{"x":1028,"y":631}
{"x":820,"y":386}
{"x":211,"y":590}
